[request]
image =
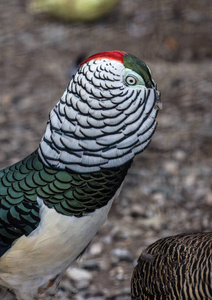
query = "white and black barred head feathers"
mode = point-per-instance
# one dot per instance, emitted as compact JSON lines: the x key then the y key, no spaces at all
{"x":105,"y":117}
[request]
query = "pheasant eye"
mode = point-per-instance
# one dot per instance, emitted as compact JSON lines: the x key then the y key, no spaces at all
{"x":131,"y":80}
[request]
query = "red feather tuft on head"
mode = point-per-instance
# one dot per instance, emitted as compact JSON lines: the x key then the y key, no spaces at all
{"x":116,"y":55}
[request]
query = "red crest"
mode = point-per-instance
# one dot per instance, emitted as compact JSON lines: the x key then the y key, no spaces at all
{"x":116,"y":55}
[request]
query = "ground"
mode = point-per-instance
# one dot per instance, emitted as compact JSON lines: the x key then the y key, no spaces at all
{"x":168,"y":189}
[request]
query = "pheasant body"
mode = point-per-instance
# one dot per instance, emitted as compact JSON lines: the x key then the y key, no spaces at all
{"x":54,"y":201}
{"x":177,"y":267}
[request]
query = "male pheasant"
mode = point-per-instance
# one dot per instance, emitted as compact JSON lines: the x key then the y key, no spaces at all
{"x":54,"y":201}
{"x":177,"y":267}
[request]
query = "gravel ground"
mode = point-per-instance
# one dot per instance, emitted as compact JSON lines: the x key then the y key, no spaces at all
{"x":168,"y":189}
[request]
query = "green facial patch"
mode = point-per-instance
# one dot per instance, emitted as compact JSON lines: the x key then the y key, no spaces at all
{"x":135,"y":64}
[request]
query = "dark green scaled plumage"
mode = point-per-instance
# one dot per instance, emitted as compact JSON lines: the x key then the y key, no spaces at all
{"x":69,"y":193}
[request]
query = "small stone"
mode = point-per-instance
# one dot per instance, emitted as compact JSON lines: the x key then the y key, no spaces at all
{"x":79,"y":297}
{"x":107,"y":239}
{"x":171,"y":167}
{"x":209,"y":197}
{"x":180,"y":155}
{"x":120,"y":276}
{"x":159,"y":198}
{"x":96,"y":298}
{"x":82,"y":278}
{"x":122,"y":254}
{"x":189,"y":180}
{"x":114,"y":261}
{"x":78,"y":274}
{"x":82,"y":284}
{"x":6,"y":99}
{"x":65,"y":285}
{"x":137,"y":211}
{"x":121,"y":294}
{"x":96,"y":249}
{"x":91,"y":265}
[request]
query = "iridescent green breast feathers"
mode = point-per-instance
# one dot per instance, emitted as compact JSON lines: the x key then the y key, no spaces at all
{"x":68,"y":192}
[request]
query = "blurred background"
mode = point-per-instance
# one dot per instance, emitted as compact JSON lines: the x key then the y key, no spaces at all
{"x":168,"y":189}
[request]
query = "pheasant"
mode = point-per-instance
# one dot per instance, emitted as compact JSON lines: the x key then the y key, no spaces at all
{"x":55,"y":200}
{"x":177,"y":267}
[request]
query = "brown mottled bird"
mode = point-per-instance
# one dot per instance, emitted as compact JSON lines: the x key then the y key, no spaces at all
{"x":177,"y":267}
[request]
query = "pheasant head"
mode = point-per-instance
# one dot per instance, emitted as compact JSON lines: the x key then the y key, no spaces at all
{"x":105,"y":117}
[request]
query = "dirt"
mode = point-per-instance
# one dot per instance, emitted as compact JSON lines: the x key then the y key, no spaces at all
{"x":168,"y":189}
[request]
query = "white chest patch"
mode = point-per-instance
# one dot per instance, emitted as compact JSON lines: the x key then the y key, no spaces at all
{"x":49,"y":250}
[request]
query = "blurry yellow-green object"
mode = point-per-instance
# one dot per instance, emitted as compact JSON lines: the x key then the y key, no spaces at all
{"x":73,"y":10}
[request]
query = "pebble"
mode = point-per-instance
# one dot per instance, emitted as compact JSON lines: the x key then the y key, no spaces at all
{"x":122,"y":254}
{"x":65,"y":285}
{"x":107,"y":239}
{"x":159,"y":198}
{"x":120,"y":276}
{"x":96,"y":249}
{"x":79,"y":297}
{"x":209,"y":197}
{"x":121,"y":294}
{"x":91,"y":265}
{"x":180,"y":155}
{"x":96,"y":298}
{"x":171,"y":167}
{"x":81,"y":277}
{"x":137,"y":211}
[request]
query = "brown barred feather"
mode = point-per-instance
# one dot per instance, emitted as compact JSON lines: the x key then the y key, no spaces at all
{"x":176,"y":268}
